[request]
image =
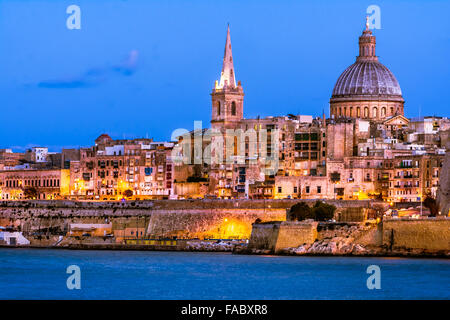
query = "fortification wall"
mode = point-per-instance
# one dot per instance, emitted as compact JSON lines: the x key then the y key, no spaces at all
{"x":294,"y":234}
{"x":264,"y":236}
{"x":427,"y":234}
{"x":279,"y":235}
{"x":443,"y":194}
{"x":159,"y":219}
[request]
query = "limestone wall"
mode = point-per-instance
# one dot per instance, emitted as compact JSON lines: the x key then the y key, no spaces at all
{"x":184,"y":219}
{"x":294,"y":234}
{"x":443,"y":194}
{"x":351,"y":214}
{"x":280,"y":235}
{"x":428,"y":234}
{"x":160,"y":218}
{"x":264,"y":236}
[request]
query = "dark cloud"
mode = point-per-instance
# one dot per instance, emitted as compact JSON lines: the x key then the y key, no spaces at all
{"x":95,"y":76}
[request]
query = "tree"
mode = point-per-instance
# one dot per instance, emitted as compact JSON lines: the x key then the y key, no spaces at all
{"x":432,"y":205}
{"x":319,"y":212}
{"x":323,"y":211}
{"x":30,"y":193}
{"x":300,"y":211}
{"x":128,"y":193}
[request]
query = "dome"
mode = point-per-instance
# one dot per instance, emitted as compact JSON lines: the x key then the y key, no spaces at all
{"x":368,"y":79}
{"x":366,"y":89}
{"x":102,"y":139}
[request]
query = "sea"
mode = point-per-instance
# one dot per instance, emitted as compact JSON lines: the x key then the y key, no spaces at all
{"x":83,"y":274}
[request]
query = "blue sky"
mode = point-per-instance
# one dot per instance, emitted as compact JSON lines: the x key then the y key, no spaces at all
{"x":144,"y":68}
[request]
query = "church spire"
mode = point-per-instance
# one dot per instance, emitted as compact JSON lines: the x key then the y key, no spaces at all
{"x":227,"y":95}
{"x":227,"y":77}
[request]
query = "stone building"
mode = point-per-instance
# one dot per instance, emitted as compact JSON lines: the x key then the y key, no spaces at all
{"x":34,"y":184}
{"x":106,"y":170}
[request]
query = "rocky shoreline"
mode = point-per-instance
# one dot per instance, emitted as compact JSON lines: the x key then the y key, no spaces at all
{"x":350,"y":239}
{"x":357,"y":251}
{"x":316,"y":249}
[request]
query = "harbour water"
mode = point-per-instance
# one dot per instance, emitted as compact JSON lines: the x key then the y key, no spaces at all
{"x":41,"y":274}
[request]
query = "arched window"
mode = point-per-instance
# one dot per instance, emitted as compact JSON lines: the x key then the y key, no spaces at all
{"x":383,"y":112}
{"x":358,"y":112}
{"x":233,"y":108}
{"x":366,"y":112}
{"x":218,"y":108}
{"x":351,"y":111}
{"x":345,"y":111}
{"x":375,"y":112}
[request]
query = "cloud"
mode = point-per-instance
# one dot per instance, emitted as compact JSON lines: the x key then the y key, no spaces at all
{"x":95,"y":76}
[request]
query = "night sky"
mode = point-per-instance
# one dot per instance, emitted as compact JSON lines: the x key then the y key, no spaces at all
{"x":145,"y":68}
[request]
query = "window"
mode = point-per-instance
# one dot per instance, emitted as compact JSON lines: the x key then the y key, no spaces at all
{"x":218,"y":108}
{"x":307,"y":189}
{"x":233,"y":108}
{"x":319,"y":189}
{"x":295,"y":189}
{"x":280,"y":190}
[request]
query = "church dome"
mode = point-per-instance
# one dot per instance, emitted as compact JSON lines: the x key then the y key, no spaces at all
{"x":366,"y":89}
{"x":367,"y":78}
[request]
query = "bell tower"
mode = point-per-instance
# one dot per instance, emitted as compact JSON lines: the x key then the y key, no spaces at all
{"x":227,"y":96}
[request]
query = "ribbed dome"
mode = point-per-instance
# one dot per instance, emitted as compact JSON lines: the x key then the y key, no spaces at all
{"x":367,"y":78}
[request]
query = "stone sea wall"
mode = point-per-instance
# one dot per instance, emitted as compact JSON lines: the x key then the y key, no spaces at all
{"x":426,"y":234}
{"x":158,"y":219}
{"x":443,"y":194}
{"x":399,"y":237}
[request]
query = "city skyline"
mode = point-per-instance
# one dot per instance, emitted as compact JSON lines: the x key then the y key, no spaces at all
{"x":78,"y":90}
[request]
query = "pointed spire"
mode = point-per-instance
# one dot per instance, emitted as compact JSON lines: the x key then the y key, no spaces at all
{"x":227,"y":77}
